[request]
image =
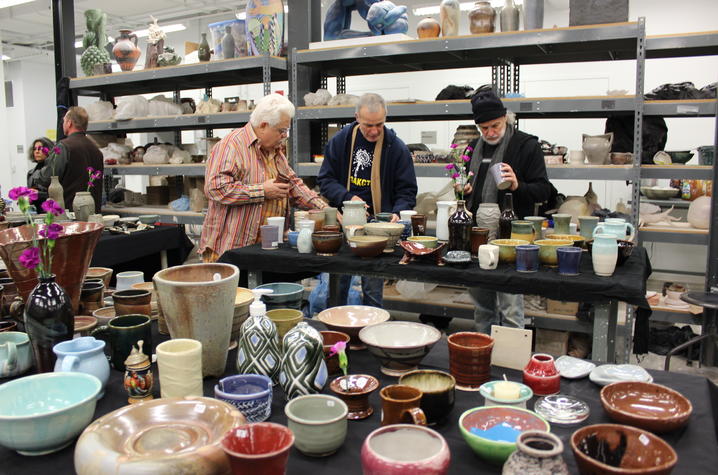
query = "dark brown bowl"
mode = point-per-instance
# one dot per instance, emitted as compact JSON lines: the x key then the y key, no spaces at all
{"x":367,"y":246}
{"x":327,"y":243}
{"x":646,"y":405}
{"x":645,"y":453}
{"x":625,"y":249}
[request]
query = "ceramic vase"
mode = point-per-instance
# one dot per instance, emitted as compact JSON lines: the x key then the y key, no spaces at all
{"x":537,"y":452}
{"x":302,"y":370}
{"x":428,"y":28}
{"x":203,"y":51}
{"x":49,"y":320}
{"x":56,"y":192}
{"x":83,"y":205}
{"x":460,"y":228}
{"x":482,"y":18}
{"x":354,"y":213}
{"x":597,"y":147}
{"x":442,"y":219}
{"x":258,"y":348}
{"x":83,"y":355}
{"x":541,"y":375}
{"x":304,"y":241}
{"x":228,"y":43}
{"x":509,"y":16}
{"x":604,"y":254}
{"x":533,"y":14}
{"x":487,"y":216}
{"x":449,"y":13}
{"x":265,"y":26}
{"x":699,"y":212}
{"x":125,"y":51}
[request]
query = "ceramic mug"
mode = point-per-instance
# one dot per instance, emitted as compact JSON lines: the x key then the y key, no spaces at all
{"x":277,"y":221}
{"x":270,"y":237}
{"x":527,"y":258}
{"x":488,"y":256}
{"x":497,"y":175}
{"x":569,"y":260}
{"x":250,"y":393}
{"x":438,"y":390}
{"x":401,"y":404}
{"x":523,"y":230}
{"x":537,"y":222}
{"x":615,"y":226}
{"x":15,"y":354}
{"x":122,"y":333}
{"x":179,"y":362}
{"x":418,"y":225}
{"x":83,"y":355}
{"x":470,"y":359}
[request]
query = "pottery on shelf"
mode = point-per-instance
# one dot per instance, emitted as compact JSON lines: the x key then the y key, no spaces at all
{"x":354,"y":390}
{"x":405,"y":449}
{"x":509,"y":16}
{"x":125,"y":51}
{"x":302,"y":369}
{"x":204,"y":52}
{"x":482,"y":18}
{"x":428,"y":28}
{"x":533,"y":14}
{"x":536,"y":452}
{"x":597,"y":147}
{"x":264,"y":26}
{"x":699,"y":212}
{"x":449,"y":14}
{"x":541,"y":375}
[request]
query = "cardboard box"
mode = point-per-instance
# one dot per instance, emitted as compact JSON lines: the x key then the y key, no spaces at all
{"x":562,"y":308}
{"x":553,"y":342}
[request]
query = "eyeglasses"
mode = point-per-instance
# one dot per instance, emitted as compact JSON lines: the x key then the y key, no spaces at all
{"x":284,"y":131}
{"x":40,"y":147}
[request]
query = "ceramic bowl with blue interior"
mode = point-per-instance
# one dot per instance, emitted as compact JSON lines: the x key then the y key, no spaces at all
{"x":43,"y":413}
{"x":250,"y":393}
{"x":487,"y":390}
{"x":284,"y":295}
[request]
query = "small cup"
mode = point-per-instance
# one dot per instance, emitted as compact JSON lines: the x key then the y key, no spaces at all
{"x":179,"y":362}
{"x":537,"y":222}
{"x":496,"y":174}
{"x":330,"y":216}
{"x":318,"y":422}
{"x":250,"y":393}
{"x":527,"y":258}
{"x":406,"y":214}
{"x":277,"y":221}
{"x":400,"y":405}
{"x":292,"y":238}
{"x":418,"y":225}
{"x":569,"y":260}
{"x":127,"y":278}
{"x":576,"y":157}
{"x":384,"y":217}
{"x":586,"y":226}
{"x":438,"y":390}
{"x":270,"y":237}
{"x":260,"y":448}
{"x":488,"y":256}
{"x":479,"y":237}
{"x":470,"y":359}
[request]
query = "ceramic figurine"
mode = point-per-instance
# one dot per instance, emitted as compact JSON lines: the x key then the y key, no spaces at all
{"x":265,"y":26}
{"x":449,"y":11}
{"x":138,"y":379}
{"x":303,"y":370}
{"x":258,"y":347}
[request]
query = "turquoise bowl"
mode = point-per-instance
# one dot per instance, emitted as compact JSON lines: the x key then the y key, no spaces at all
{"x":487,"y":390}
{"x":43,"y":413}
{"x":284,"y":295}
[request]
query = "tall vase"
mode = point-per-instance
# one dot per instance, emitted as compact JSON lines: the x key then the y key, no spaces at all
{"x":509,"y":16}
{"x":125,"y":51}
{"x":460,"y":228}
{"x":442,"y":219}
{"x":49,"y":320}
{"x":203,"y":52}
{"x":56,"y":192}
{"x":533,"y":14}
{"x":83,"y":205}
{"x":228,"y":43}
{"x":449,"y":12}
{"x":265,"y":26}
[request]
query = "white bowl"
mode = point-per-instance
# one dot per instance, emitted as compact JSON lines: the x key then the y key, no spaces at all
{"x":350,"y":319}
{"x":400,"y":346}
{"x":110,"y":219}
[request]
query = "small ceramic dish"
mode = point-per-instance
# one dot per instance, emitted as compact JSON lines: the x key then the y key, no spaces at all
{"x":350,"y":319}
{"x":646,"y":405}
{"x":562,"y":409}
{"x":487,"y":390}
{"x":414,"y":251}
{"x":573,"y":368}
{"x":426,"y":241}
{"x":148,"y":218}
{"x":612,"y":373}
{"x":458,"y":258}
{"x":399,"y":346}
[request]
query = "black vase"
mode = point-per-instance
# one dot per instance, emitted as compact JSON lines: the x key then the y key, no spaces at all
{"x":48,"y":321}
{"x":460,"y":228}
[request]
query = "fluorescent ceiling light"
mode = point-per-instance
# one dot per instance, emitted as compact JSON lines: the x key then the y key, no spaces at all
{"x":243,"y":15}
{"x":166,"y":29}
{"x":12,"y":3}
{"x":464,"y":7}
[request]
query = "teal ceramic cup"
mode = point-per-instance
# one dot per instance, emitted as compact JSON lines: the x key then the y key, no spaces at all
{"x":121,"y":334}
{"x":318,"y":422}
{"x":15,"y":354}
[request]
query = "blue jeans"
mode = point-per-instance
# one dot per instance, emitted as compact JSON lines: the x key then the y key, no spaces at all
{"x":496,"y":308}
{"x":372,"y":290}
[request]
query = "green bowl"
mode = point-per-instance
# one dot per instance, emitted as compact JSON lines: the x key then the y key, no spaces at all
{"x":426,"y":241}
{"x":507,"y":248}
{"x":547,"y":250}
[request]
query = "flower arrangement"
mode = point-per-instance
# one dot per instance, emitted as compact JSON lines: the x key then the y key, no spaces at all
{"x":457,"y":169}
{"x":339,"y":348}
{"x":51,"y":154}
{"x":39,"y":255}
{"x":92,"y":175}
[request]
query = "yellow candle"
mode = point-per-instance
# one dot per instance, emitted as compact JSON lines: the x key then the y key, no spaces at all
{"x":506,"y":390}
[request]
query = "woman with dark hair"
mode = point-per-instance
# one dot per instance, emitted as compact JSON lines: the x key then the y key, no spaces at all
{"x":38,"y":154}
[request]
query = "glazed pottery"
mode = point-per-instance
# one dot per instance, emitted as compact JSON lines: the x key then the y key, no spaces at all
{"x":7,"y":325}
{"x":179,"y":363}
{"x":507,"y":249}
{"x":611,"y":373}
{"x":438,"y":392}
{"x":318,"y":216}
{"x":573,"y":368}
{"x":367,"y":246}
{"x":533,"y":14}
{"x":292,"y":237}
{"x":258,"y":348}
{"x":318,"y":422}
{"x":537,"y":223}
{"x":569,"y":260}
{"x":604,"y":254}
{"x":304,"y":241}
{"x":576,"y":239}
{"x":8,"y":294}
{"x":264,"y":27}
{"x":121,"y":334}
{"x":470,"y":359}
{"x":56,"y":192}
{"x":83,"y":355}
{"x":699,"y":212}
{"x":172,"y":435}
{"x":204,"y":52}
{"x":354,"y":390}
{"x":350,"y":319}
{"x":353,"y":212}
{"x":104,"y":315}
{"x":406,"y":233}
{"x":509,"y":16}
{"x":547,"y":250}
{"x":541,"y":375}
{"x":615,"y":449}
{"x":406,"y":215}
{"x":562,"y":409}
{"x":460,"y":259}
{"x":198,"y":302}
{"x":400,"y":404}
{"x":125,"y":280}
{"x":597,"y":147}
{"x":616,"y":227}
{"x":405,"y":449}
{"x":444,"y":209}
{"x":104,"y":273}
{"x":330,"y":216}
{"x":284,"y":295}
{"x":43,"y":413}
{"x":527,"y":258}
{"x":449,"y":14}
{"x":460,"y":228}
{"x":418,"y":225}
{"x":384,"y":217}
{"x":426,"y":241}
{"x":491,"y":431}
{"x":327,"y":243}
{"x":561,"y":223}
{"x":649,"y":406}
{"x":391,"y":231}
{"x":482,"y":18}
{"x":132,"y":302}
{"x":251,"y":394}
{"x":329,"y":339}
{"x":92,"y":296}
{"x":479,"y":237}
{"x":125,"y":51}
{"x":399,"y":346}
{"x":625,"y":249}
{"x":496,"y":173}
{"x":269,"y":236}
{"x":278,"y":222}
{"x":84,"y":324}
{"x":149,"y":219}
{"x":521,"y":394}
{"x":488,"y":256}
{"x":507,"y":217}
{"x":260,"y":448}
{"x":487,"y":216}
{"x":228,"y":43}
{"x":15,"y":354}
{"x":523,"y":230}
{"x":302,"y":369}
{"x":416,"y":250}
{"x":139,"y":378}
{"x":285,"y":319}
{"x":353,"y":230}
{"x":536,"y":452}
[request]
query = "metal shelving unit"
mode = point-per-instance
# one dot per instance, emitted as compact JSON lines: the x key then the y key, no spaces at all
{"x":676,"y":236}
{"x":166,"y":215}
{"x":190,"y":169}
{"x":683,"y":108}
{"x":689,"y":172}
{"x":180,"y":122}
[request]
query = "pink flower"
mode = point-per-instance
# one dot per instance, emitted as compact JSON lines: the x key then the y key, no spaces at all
{"x":466,"y":158}
{"x":450,"y":166}
{"x":21,"y":191}
{"x":96,"y":175}
{"x":30,"y":258}
{"x":56,"y":149}
{"x":469,"y":148}
{"x":470,"y":174}
{"x":453,"y":145}
{"x":51,"y":206}
{"x":455,"y":176}
{"x":51,"y":231}
{"x":90,"y":170}
{"x":337,"y":348}
{"x":45,"y":150}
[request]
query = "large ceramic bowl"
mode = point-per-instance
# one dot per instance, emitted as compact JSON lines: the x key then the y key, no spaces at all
{"x":284,"y":295}
{"x":681,"y":157}
{"x":43,"y":413}
{"x":479,"y":425}
{"x":367,"y":246}
{"x":350,"y":319}
{"x":659,"y":193}
{"x":643,"y":452}
{"x":405,"y":449}
{"x":547,"y":250}
{"x":327,"y":243}
{"x":507,"y":248}
{"x":399,"y":346}
{"x":168,"y":435}
{"x":391,"y":231}
{"x":646,"y":405}
{"x":576,"y":239}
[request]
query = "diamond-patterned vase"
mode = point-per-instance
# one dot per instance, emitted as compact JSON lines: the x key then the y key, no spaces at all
{"x":303,"y":370}
{"x":258,"y":348}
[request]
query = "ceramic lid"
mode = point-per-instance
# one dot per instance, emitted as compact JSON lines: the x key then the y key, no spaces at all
{"x":137,"y":357}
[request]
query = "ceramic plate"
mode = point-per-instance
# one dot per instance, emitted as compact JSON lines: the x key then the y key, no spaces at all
{"x":610,"y":373}
{"x":562,"y":409}
{"x":573,"y":368}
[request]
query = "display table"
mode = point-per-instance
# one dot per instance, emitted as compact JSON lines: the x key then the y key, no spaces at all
{"x":695,"y":444}
{"x":628,"y":283}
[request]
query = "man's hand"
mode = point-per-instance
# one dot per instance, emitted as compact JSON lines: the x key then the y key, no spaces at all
{"x":507,"y":173}
{"x":467,"y":188}
{"x":394,"y":218}
{"x":274,"y":190}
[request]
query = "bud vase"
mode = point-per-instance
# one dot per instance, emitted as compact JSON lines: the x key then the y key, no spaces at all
{"x":83,"y":205}
{"x":56,"y":192}
{"x":541,"y":375}
{"x":460,"y":228}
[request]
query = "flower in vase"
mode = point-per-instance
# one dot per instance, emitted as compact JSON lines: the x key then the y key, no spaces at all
{"x":457,"y":168}
{"x":339,"y":348}
{"x":92,"y":176}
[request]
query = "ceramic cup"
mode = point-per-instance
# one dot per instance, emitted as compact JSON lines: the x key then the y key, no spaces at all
{"x":92,"y":296}
{"x":250,"y":393}
{"x":527,"y":258}
{"x":418,"y":225}
{"x":488,"y":256}
{"x":384,"y":217}
{"x":292,"y":238}
{"x":470,"y":359}
{"x":479,"y":237}
{"x":330,"y":216}
{"x":496,"y":174}
{"x":121,"y":334}
{"x":569,"y":260}
{"x":270,"y":237}
{"x":15,"y":354}
{"x":277,"y":221}
{"x":537,"y":222}
{"x":576,"y":157}
{"x":406,"y":214}
{"x":438,"y":390}
{"x":83,"y":355}
{"x":405,"y":449}
{"x":318,"y":422}
{"x":179,"y":362}
{"x":132,"y":302}
{"x":127,"y":278}
{"x":561,"y":223}
{"x":400,"y":404}
{"x":260,"y":448}
{"x":587,"y":224}
{"x":354,"y":390}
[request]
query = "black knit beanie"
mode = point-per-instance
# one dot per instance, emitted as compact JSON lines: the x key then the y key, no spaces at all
{"x":486,"y":105}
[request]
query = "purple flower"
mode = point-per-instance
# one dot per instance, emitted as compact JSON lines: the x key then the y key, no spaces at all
{"x":56,"y":149}
{"x":466,"y":158}
{"x":96,"y":175}
{"x":51,"y":206}
{"x":455,"y":176}
{"x":51,"y":231}
{"x":453,"y":145}
{"x":449,"y":166}
{"x":90,"y":170}
{"x":469,"y":148}
{"x":30,"y":258}
{"x":20,"y":191}
{"x":45,"y":150}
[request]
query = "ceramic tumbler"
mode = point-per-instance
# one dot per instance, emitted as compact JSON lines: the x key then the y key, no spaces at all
{"x":330,"y":216}
{"x":496,"y":174}
{"x":277,"y":221}
{"x":406,"y":214}
{"x":523,"y":230}
{"x":318,"y":422}
{"x":127,"y":278}
{"x":132,"y":302}
{"x":438,"y":390}
{"x":306,"y":224}
{"x":479,"y":237}
{"x":587,"y":224}
{"x":92,"y":296}
{"x":121,"y":333}
{"x":537,"y":222}
{"x":401,"y":404}
{"x":569,"y":260}
{"x":418,"y":225}
{"x":270,"y":237}
{"x":179,"y":362}
{"x":15,"y":354}
{"x":527,"y":258}
{"x":292,"y":238}
{"x":561,"y":223}
{"x":259,"y":448}
{"x":576,"y":157}
{"x":488,"y":256}
{"x":83,"y":355}
{"x":470,"y":359}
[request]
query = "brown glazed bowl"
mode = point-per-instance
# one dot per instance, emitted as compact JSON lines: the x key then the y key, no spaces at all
{"x":327,"y":243}
{"x":354,"y":390}
{"x":330,"y":338}
{"x":350,"y":319}
{"x":646,"y":405}
{"x":132,"y":301}
{"x":645,"y":453}
{"x":470,"y":359}
{"x":367,"y":246}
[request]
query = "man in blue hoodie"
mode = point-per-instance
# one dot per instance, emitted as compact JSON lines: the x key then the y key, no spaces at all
{"x":367,"y":162}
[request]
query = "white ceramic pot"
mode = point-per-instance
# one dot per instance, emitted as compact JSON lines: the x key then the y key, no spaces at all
{"x":180,"y":366}
{"x":597,"y":148}
{"x":353,"y":212}
{"x":699,"y":212}
{"x":604,"y":254}
{"x":127,"y":278}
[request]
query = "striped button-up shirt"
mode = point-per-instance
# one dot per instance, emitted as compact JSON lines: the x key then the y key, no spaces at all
{"x":234,"y":177}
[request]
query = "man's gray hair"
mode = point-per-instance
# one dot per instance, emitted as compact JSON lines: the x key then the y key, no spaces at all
{"x":271,"y":109}
{"x":510,"y":118}
{"x":373,"y":102}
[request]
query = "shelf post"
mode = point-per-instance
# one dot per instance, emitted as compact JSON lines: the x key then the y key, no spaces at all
{"x":712,"y":267}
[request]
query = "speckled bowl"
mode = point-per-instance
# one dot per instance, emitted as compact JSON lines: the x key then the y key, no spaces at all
{"x":350,"y":319}
{"x":367,"y":246}
{"x":392,"y":231}
{"x":399,"y":346}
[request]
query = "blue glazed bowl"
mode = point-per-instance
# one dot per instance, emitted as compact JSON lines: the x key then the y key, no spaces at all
{"x":285,"y":295}
{"x":43,"y":413}
{"x":250,"y":393}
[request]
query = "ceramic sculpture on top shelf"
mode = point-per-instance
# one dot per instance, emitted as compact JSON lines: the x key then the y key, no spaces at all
{"x":303,"y":370}
{"x":265,"y":27}
{"x":203,"y":52}
{"x":428,"y":28}
{"x":597,"y":147}
{"x":155,"y":44}
{"x":509,"y":16}
{"x":94,"y":42}
{"x":533,"y":14}
{"x":228,"y":45}
{"x":449,"y":14}
{"x":382,"y":17}
{"x":482,"y":18}
{"x":258,"y":347}
{"x":125,"y":51}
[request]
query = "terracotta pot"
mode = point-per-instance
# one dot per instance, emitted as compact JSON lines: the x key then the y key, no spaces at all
{"x":132,"y":302}
{"x":541,"y":375}
{"x":470,"y":359}
{"x":125,"y":51}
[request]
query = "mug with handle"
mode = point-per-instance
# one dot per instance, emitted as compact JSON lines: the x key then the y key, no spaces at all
{"x":15,"y":354}
{"x":121,"y":333}
{"x":401,"y":404}
{"x":615,"y":226}
{"x":488,"y":256}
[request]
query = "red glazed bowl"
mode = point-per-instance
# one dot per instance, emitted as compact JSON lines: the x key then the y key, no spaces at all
{"x":405,"y":449}
{"x":262,"y":447}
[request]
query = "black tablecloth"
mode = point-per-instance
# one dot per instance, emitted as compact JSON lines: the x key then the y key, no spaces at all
{"x":695,"y":444}
{"x":628,"y":283}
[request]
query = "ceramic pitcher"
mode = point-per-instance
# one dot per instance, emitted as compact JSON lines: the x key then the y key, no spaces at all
{"x":444,"y":210}
{"x":616,"y":227}
{"x":83,"y":355}
{"x":604,"y":254}
{"x":303,"y":370}
{"x":597,"y":147}
{"x":354,"y":212}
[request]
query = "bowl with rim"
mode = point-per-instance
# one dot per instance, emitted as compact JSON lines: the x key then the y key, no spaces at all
{"x":649,"y":406}
{"x":367,"y":246}
{"x":547,"y":250}
{"x":680,"y":156}
{"x":148,"y":218}
{"x":350,"y":319}
{"x":399,"y":346}
{"x":659,"y":193}
{"x":487,"y":390}
{"x":576,"y":239}
{"x":507,"y":248}
{"x":104,"y":315}
{"x":391,"y":231}
{"x":284,"y":295}
{"x":43,"y":413}
{"x":426,"y":241}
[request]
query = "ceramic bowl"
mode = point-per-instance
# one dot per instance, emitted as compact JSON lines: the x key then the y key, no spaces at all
{"x":327,"y":243}
{"x":43,"y":413}
{"x":612,"y":373}
{"x":249,"y":393}
{"x":644,"y":453}
{"x":426,"y":241}
{"x":459,"y":259}
{"x":487,"y":390}
{"x":625,"y":249}
{"x":84,"y":324}
{"x":478,"y":426}
{"x":391,"y":231}
{"x":659,"y":193}
{"x":258,"y":448}
{"x":104,"y":273}
{"x":104,"y":315}
{"x":168,"y":435}
{"x":547,"y":250}
{"x":110,"y":219}
{"x":438,"y":392}
{"x":319,"y":423}
{"x":681,"y":157}
{"x":148,"y":218}
{"x":399,"y":346}
{"x":285,"y":319}
{"x":354,"y":390}
{"x":507,"y":248}
{"x":646,"y":405}
{"x":284,"y":295}
{"x":405,"y":449}
{"x":621,"y":158}
{"x":330,"y":338}
{"x":367,"y":246}
{"x":350,"y":319}
{"x":576,"y":239}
